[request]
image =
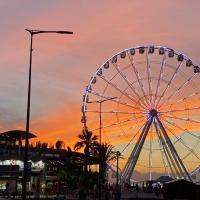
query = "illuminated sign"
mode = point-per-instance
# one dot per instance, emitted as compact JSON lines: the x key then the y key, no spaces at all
{"x":39,"y":165}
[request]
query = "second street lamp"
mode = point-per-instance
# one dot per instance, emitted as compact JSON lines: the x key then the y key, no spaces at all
{"x":100,"y":127}
{"x":32,"y":32}
{"x":100,"y":107}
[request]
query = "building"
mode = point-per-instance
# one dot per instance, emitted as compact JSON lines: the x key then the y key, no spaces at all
{"x":44,"y":162}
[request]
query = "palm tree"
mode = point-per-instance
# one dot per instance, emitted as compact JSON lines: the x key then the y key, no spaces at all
{"x":87,"y":141}
{"x":106,"y":153}
{"x":59,"y":144}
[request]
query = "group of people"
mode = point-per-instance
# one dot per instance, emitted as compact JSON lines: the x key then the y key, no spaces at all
{"x":112,"y":192}
{"x":11,"y":190}
{"x":107,"y":192}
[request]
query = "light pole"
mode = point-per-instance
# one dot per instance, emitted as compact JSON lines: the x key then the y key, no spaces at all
{"x":100,"y":106}
{"x":117,"y":182}
{"x":32,"y":32}
{"x":118,"y":189}
{"x":100,"y":127}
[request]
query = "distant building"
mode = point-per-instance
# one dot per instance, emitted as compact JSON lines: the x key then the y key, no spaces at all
{"x":180,"y":189}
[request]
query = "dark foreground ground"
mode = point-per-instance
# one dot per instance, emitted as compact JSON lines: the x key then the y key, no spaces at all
{"x":128,"y":195}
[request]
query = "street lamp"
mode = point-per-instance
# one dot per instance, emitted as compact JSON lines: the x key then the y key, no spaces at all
{"x":100,"y":106}
{"x":32,"y":32}
{"x":117,"y":181}
{"x":100,"y":127}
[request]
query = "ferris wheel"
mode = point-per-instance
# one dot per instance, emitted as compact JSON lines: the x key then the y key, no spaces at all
{"x":145,"y":100}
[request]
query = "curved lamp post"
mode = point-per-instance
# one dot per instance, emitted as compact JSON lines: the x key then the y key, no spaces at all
{"x":32,"y":32}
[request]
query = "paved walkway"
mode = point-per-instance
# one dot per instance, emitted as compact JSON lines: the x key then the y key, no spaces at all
{"x":140,"y":195}
{"x":125,"y":196}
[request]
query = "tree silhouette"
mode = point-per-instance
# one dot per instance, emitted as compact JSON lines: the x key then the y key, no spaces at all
{"x":87,"y":141}
{"x":105,"y":153}
{"x":59,"y":144}
{"x":38,"y":144}
{"x":69,"y":150}
{"x":44,"y":145}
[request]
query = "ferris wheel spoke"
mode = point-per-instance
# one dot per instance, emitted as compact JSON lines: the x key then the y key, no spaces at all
{"x":178,"y":101}
{"x":138,"y":77}
{"x":121,"y":91}
{"x":182,"y":129}
{"x":132,"y":128}
{"x":133,"y":138}
{"x":179,"y":89}
{"x":181,"y":110}
{"x":184,"y":144}
{"x":160,"y":78}
{"x":183,"y":119}
{"x":168,"y":85}
{"x":116,"y":112}
{"x":118,"y":123}
{"x":149,"y":76}
{"x":115,"y":100}
{"x":127,"y":81}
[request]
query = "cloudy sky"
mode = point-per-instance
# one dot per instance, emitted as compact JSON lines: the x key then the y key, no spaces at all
{"x":63,"y":64}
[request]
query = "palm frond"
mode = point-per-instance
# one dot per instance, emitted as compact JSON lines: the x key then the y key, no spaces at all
{"x":95,"y":137}
{"x":78,"y":146}
{"x":81,"y":136}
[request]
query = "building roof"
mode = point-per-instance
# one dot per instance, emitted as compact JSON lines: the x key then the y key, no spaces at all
{"x":17,"y":134}
{"x":180,"y":181}
{"x":164,"y":179}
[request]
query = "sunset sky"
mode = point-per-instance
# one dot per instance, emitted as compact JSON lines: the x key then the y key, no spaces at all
{"x":63,"y":64}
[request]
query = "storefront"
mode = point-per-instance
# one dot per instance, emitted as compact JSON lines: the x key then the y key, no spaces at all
{"x":11,"y":172}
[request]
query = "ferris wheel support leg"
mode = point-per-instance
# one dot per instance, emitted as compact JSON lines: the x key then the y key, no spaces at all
{"x":171,"y":161}
{"x":173,"y":150}
{"x":168,"y":157}
{"x":131,"y":157}
{"x":166,"y":153}
{"x":174,"y":161}
{"x":138,"y":149}
{"x":150,"y":157}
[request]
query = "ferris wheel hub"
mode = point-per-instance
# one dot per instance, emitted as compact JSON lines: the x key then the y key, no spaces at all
{"x":153,"y":112}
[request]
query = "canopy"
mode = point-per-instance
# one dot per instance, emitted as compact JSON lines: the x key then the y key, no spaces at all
{"x":17,"y":135}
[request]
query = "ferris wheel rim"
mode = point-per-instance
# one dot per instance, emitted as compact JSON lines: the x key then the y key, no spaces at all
{"x":167,"y":49}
